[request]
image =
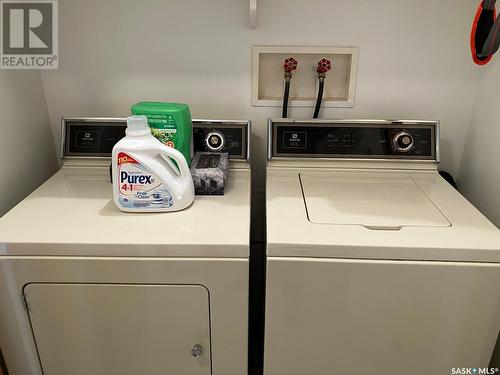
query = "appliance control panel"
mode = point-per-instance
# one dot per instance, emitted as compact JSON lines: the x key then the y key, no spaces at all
{"x":223,"y":136}
{"x":96,"y":137}
{"x":91,"y":137}
{"x":354,"y":139}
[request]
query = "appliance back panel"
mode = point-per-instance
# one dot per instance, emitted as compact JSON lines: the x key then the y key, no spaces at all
{"x":93,"y":139}
{"x":96,"y":137}
{"x":354,"y":139}
{"x":235,"y":134}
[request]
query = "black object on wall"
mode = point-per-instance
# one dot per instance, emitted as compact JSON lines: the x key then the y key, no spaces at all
{"x":449,"y":178}
{"x":3,"y":366}
{"x":485,"y":36}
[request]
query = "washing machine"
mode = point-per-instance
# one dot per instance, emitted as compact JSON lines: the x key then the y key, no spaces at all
{"x":375,"y":264}
{"x":87,"y":289}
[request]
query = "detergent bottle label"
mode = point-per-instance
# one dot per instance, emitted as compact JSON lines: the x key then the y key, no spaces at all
{"x":139,"y":187}
{"x":166,"y":136}
{"x":163,"y":128}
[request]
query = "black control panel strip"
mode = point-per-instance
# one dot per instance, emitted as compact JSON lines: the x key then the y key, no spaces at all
{"x":90,"y":137}
{"x":354,"y":139}
{"x":231,"y":136}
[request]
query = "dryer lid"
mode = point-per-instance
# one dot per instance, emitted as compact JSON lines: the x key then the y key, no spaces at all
{"x":370,"y":201}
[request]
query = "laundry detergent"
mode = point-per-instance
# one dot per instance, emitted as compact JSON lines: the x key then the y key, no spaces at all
{"x":170,"y":123}
{"x":149,"y":176}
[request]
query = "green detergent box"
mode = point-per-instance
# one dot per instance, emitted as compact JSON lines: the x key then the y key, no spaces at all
{"x":170,"y":123}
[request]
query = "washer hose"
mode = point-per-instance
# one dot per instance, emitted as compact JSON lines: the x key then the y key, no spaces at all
{"x":289,"y":66}
{"x":319,"y":99}
{"x":286,"y":94}
{"x":324,"y":65}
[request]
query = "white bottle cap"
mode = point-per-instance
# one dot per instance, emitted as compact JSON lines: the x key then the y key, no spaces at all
{"x":137,"y":126}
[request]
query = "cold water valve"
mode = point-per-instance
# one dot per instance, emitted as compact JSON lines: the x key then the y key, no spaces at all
{"x":324,"y":65}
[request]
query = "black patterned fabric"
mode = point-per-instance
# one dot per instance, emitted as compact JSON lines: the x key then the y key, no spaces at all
{"x":210,"y":171}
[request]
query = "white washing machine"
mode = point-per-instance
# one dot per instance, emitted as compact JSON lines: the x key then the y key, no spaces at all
{"x":375,"y":264}
{"x":87,"y":289}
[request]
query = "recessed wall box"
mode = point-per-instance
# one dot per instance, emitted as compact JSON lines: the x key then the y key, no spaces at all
{"x":267,"y":76}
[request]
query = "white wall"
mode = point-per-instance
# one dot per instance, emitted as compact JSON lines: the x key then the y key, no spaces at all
{"x":27,"y":155}
{"x":479,"y":177}
{"x":414,"y":60}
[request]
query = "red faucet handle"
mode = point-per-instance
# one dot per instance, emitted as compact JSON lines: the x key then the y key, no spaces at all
{"x":324,"y":65}
{"x":290,"y":65}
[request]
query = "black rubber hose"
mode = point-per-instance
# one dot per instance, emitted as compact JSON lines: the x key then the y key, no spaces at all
{"x":285,"y":98}
{"x":320,"y":98}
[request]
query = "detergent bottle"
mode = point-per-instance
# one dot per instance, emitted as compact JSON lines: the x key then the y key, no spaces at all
{"x":149,"y":176}
{"x":170,"y":123}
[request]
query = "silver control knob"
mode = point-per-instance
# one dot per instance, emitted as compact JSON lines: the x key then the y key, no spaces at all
{"x":403,"y":142}
{"x":215,"y":141}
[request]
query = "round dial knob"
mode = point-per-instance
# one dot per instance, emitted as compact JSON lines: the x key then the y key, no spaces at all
{"x":215,"y":141}
{"x":403,"y":142}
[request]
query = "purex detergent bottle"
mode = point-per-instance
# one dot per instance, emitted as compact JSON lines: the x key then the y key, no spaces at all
{"x":149,"y":176}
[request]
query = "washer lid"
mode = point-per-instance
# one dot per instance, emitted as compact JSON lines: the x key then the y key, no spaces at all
{"x":373,"y":202}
